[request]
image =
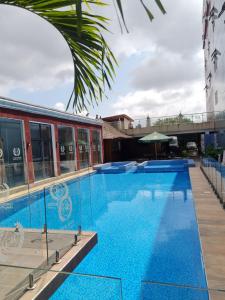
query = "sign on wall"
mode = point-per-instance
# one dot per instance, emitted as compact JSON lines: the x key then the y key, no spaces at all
{"x":16,"y":154}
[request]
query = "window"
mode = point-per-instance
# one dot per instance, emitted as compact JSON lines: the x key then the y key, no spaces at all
{"x":12,"y":170}
{"x":214,"y":57}
{"x":213,"y":16}
{"x":66,"y":149}
{"x":208,"y":48}
{"x":209,"y":79}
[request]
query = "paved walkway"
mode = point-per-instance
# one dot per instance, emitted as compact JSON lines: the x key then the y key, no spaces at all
{"x":211,"y":220}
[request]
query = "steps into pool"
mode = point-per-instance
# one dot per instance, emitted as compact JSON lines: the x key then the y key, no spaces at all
{"x":153,"y":166}
{"x":115,"y":167}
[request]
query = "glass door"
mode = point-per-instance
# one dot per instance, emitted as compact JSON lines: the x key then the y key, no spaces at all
{"x":83,"y":148}
{"x":41,"y":141}
{"x":11,"y":153}
{"x":96,"y":147}
{"x":66,"y":149}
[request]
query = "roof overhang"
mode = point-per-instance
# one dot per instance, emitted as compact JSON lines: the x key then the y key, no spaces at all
{"x":44,"y":111}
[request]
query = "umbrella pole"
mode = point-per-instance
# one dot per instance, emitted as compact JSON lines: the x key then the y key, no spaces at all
{"x":155,"y":152}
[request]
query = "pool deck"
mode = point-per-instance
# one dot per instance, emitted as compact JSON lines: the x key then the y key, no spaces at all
{"x":30,"y":257}
{"x":211,"y":222}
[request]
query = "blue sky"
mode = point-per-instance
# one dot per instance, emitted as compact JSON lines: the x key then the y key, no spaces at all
{"x":160,"y":63}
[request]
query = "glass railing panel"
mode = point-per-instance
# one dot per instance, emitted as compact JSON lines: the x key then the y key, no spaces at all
{"x":29,"y":283}
{"x":89,"y":287}
{"x":13,"y":180}
{"x":13,"y":174}
{"x":223,"y":185}
{"x":218,"y":180}
{"x":215,"y":172}
{"x":211,"y":170}
{"x":86,"y":195}
{"x":170,"y":291}
{"x":214,"y":175}
{"x":21,"y":229}
{"x":62,"y":212}
{"x":68,"y":211}
{"x":172,"y":120}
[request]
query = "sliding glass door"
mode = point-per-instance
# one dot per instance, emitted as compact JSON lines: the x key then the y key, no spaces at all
{"x":41,"y":141}
{"x":66,"y":149}
{"x":12,"y":171}
{"x":84,"y":147}
{"x":96,"y":147}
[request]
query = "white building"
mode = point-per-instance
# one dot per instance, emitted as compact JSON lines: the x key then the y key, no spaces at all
{"x":214,"y":48}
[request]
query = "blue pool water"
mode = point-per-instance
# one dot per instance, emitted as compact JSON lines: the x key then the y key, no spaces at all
{"x":147,"y":232}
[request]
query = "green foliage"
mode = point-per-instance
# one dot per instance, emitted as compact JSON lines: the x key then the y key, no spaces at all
{"x":210,"y":151}
{"x":180,"y":119}
{"x":94,"y":62}
{"x":184,"y":153}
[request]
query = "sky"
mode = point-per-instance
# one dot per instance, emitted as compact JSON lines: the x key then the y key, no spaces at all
{"x":161,"y":65}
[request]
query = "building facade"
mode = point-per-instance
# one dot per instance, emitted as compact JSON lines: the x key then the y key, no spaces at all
{"x":214,"y":50}
{"x":119,"y":121}
{"x":37,"y":143}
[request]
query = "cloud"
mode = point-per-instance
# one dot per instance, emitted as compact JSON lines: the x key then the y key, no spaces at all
{"x":60,"y":106}
{"x":165,"y":69}
{"x":178,"y":31}
{"x":167,"y":75}
{"x":34,"y":55}
{"x":151,"y":102}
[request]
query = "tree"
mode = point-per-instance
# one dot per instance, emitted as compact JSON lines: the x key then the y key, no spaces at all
{"x":94,"y":62}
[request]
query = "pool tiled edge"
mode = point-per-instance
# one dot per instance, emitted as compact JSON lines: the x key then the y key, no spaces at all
{"x":39,"y":186}
{"x":211,"y":222}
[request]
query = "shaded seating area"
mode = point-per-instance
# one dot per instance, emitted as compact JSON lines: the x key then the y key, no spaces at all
{"x":113,"y":143}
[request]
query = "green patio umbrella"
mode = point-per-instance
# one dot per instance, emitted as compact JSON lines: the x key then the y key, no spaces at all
{"x":155,"y":138}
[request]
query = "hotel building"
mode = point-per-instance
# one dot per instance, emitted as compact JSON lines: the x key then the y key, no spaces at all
{"x":214,"y":50}
{"x":38,"y":143}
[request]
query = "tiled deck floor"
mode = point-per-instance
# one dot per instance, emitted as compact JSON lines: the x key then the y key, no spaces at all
{"x":211,"y":220}
{"x":17,"y":262}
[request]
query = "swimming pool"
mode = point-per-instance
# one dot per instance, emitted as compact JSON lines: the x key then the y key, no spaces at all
{"x":147,"y":232}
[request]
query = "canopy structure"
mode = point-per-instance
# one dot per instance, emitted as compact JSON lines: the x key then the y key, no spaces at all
{"x":155,"y":138}
{"x":111,"y":133}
